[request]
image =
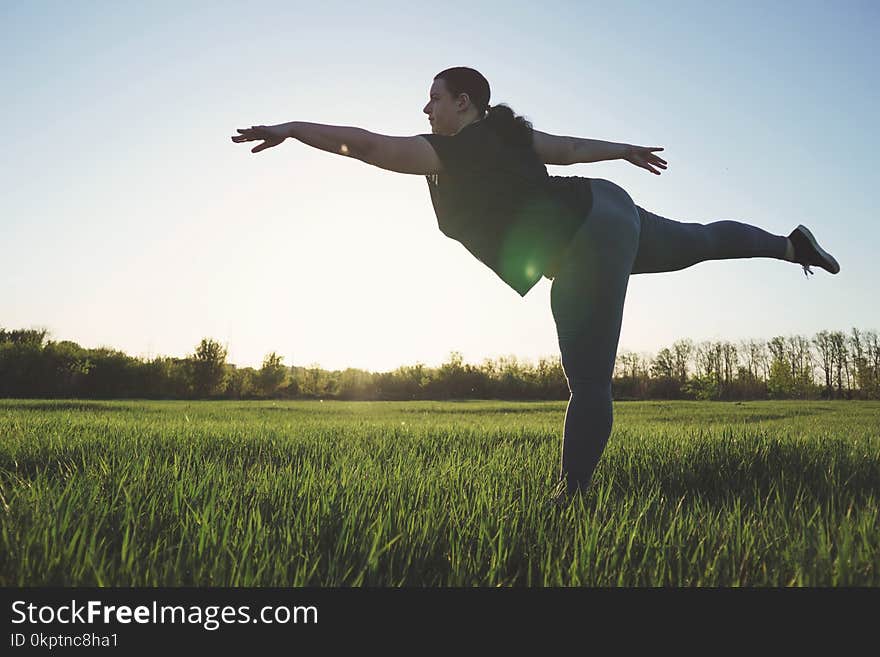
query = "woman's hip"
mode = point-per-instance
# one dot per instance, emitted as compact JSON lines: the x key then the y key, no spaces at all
{"x":610,"y":232}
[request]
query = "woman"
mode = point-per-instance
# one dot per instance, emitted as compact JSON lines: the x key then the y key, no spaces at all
{"x":489,"y":186}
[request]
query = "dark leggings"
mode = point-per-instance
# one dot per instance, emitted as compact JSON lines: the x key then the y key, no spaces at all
{"x":619,"y":238}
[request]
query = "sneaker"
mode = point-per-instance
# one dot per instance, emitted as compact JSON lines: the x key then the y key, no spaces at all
{"x":808,"y":252}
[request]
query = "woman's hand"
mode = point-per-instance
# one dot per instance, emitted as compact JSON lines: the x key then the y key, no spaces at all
{"x":642,"y":156}
{"x":271,"y":134}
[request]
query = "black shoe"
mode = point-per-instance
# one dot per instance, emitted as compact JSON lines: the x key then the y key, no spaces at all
{"x":808,"y":252}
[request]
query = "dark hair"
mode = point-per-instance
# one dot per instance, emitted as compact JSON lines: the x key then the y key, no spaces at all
{"x":464,"y":80}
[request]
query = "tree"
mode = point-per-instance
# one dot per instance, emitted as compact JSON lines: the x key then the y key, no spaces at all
{"x":312,"y":381}
{"x":709,"y":380}
{"x":633,"y":374}
{"x":356,"y":384}
{"x":271,"y":375}
{"x":838,"y":347}
{"x":22,"y":369}
{"x":664,"y":383}
{"x":451,"y":379}
{"x":729,"y":362}
{"x":663,"y":365}
{"x":33,"y":337}
{"x":822,"y":342}
{"x":682,"y":351}
{"x":208,"y":368}
{"x":859,"y":362}
{"x":871,"y":384}
{"x":239,"y":382}
{"x":801,"y":358}
{"x":110,"y":373}
{"x":780,"y":382}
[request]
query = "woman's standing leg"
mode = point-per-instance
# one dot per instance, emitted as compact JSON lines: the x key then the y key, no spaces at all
{"x":587,"y":298}
{"x":667,"y":245}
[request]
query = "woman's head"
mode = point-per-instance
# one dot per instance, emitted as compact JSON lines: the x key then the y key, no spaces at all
{"x":460,"y":95}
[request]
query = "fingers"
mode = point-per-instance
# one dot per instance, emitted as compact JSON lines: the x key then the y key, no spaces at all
{"x":247,"y":135}
{"x":647,"y":152}
{"x":269,"y":143}
{"x":643,"y":158}
{"x":255,"y":133}
{"x":648,"y":163}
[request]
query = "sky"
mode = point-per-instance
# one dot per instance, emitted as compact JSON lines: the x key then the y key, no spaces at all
{"x":130,"y":220}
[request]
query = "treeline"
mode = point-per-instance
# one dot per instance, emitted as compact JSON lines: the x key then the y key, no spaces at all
{"x":831,"y":365}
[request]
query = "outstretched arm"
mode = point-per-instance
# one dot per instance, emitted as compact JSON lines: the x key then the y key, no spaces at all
{"x":596,"y":150}
{"x":400,"y":154}
{"x":554,"y":149}
{"x":342,"y":140}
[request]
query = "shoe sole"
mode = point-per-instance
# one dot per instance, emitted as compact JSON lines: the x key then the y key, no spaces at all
{"x":830,"y":263}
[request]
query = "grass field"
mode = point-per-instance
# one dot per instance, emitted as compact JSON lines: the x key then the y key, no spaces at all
{"x":176,"y":493}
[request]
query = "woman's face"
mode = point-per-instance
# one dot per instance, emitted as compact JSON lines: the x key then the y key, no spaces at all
{"x":447,"y":115}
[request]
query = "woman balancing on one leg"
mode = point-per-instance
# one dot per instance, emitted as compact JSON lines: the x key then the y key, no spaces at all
{"x":489,"y":186}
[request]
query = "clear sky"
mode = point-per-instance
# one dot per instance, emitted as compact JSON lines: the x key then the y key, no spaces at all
{"x":129,"y":219}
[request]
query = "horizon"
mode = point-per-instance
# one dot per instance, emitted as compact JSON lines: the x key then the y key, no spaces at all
{"x":645,"y":356}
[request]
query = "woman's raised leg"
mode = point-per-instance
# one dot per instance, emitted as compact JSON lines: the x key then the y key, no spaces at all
{"x":667,"y":245}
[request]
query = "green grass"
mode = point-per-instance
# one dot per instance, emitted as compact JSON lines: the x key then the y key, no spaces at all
{"x":122,"y":493}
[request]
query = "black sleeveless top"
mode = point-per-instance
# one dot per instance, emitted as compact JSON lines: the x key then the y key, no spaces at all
{"x":497,"y":200}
